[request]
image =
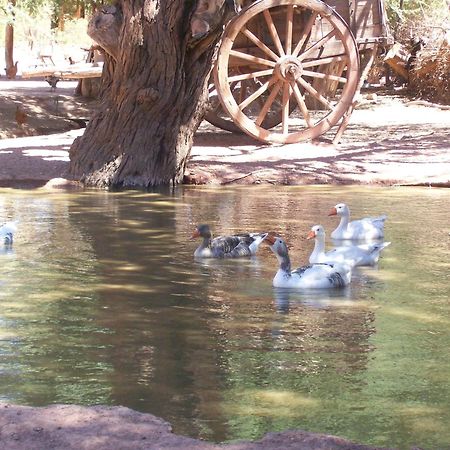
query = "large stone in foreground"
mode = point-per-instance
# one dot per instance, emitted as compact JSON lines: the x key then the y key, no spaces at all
{"x":70,"y":427}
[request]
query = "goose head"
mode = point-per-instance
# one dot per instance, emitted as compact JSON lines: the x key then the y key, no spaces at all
{"x":279,"y":248}
{"x":317,"y":231}
{"x":341,"y":209}
{"x":202,"y":231}
{"x":276,"y":243}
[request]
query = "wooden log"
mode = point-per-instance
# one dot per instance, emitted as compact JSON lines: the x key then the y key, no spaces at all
{"x":397,"y":59}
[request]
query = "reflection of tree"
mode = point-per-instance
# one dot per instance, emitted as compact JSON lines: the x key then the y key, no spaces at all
{"x":152,"y":307}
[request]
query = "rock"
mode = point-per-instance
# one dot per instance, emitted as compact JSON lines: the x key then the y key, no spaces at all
{"x":62,"y":183}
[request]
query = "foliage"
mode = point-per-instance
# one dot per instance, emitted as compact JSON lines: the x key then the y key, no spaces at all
{"x":30,"y":25}
{"x":34,"y":29}
{"x":430,"y":77}
{"x":409,"y":13}
{"x":423,"y":29}
{"x":74,"y":33}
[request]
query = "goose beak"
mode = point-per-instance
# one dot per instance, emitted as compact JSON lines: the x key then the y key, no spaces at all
{"x":311,"y":235}
{"x":195,"y":234}
{"x":270,"y":238}
{"x":333,"y":212}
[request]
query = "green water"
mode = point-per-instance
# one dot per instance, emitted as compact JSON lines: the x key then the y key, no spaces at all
{"x":101,"y":302}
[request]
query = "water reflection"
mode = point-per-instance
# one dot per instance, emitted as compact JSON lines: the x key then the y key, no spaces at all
{"x":287,"y":299}
{"x":102,"y":302}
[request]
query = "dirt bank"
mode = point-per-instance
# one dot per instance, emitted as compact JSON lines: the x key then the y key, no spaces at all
{"x":106,"y":428}
{"x":389,"y":141}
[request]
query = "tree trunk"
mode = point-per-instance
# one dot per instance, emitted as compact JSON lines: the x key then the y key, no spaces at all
{"x":11,"y":68}
{"x":154,"y":93}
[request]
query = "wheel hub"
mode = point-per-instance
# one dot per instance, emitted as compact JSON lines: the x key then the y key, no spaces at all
{"x":288,"y":68}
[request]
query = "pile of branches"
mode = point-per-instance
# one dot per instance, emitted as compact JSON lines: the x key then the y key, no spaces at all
{"x":429,"y":76}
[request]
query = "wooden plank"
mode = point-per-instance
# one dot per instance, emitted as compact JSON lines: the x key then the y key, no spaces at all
{"x":65,"y":72}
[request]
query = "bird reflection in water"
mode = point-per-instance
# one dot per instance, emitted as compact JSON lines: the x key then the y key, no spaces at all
{"x":286,"y":299}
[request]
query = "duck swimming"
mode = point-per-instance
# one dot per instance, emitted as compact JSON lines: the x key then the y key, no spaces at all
{"x":354,"y":255}
{"x":362,"y":229}
{"x":315,"y":276}
{"x":234,"y":246}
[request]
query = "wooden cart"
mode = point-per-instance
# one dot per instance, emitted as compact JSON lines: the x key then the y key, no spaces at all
{"x":289,"y":70}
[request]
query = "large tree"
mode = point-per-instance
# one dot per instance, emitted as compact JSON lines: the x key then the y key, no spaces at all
{"x":159,"y":57}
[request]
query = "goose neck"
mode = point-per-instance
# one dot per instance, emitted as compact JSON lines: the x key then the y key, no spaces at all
{"x":319,"y":247}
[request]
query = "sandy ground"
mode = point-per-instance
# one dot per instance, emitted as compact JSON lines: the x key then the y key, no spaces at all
{"x":389,"y":141}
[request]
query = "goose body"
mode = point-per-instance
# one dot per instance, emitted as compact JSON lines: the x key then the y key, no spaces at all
{"x":234,"y":246}
{"x":7,"y":233}
{"x":315,"y":276}
{"x":362,"y":229}
{"x":354,"y":255}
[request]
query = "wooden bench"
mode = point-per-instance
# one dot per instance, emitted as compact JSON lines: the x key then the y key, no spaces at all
{"x":53,"y":74}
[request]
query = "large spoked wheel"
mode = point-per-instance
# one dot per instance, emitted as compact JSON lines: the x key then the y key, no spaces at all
{"x":299,"y":63}
{"x":217,"y":116}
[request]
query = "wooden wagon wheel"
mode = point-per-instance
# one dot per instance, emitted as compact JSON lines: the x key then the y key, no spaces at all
{"x":292,"y":50}
{"x":216,"y":115}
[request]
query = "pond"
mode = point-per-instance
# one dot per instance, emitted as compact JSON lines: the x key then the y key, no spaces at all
{"x":101,"y":302}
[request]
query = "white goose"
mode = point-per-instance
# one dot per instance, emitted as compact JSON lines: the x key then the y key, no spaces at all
{"x":316,"y":276}
{"x":235,"y":246}
{"x":362,"y":229}
{"x":7,"y":233}
{"x":355,"y":255}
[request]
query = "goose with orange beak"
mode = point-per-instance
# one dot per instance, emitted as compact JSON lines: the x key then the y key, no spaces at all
{"x":315,"y":276}
{"x":362,"y":229}
{"x":234,"y":246}
{"x":354,"y":255}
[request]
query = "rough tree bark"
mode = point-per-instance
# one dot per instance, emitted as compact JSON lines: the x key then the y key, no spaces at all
{"x":154,"y":90}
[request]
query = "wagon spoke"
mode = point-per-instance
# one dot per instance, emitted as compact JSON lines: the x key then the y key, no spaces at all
{"x":324,"y":76}
{"x":315,"y":93}
{"x":305,"y":34}
{"x":260,"y":44}
{"x":289,"y":27}
{"x":285,"y":111}
{"x":273,"y":32}
{"x":320,"y":61}
{"x":251,"y":58}
{"x":268,"y":103}
{"x":301,"y":103}
{"x":321,"y":42}
{"x":251,"y":98}
{"x":247,"y":76}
